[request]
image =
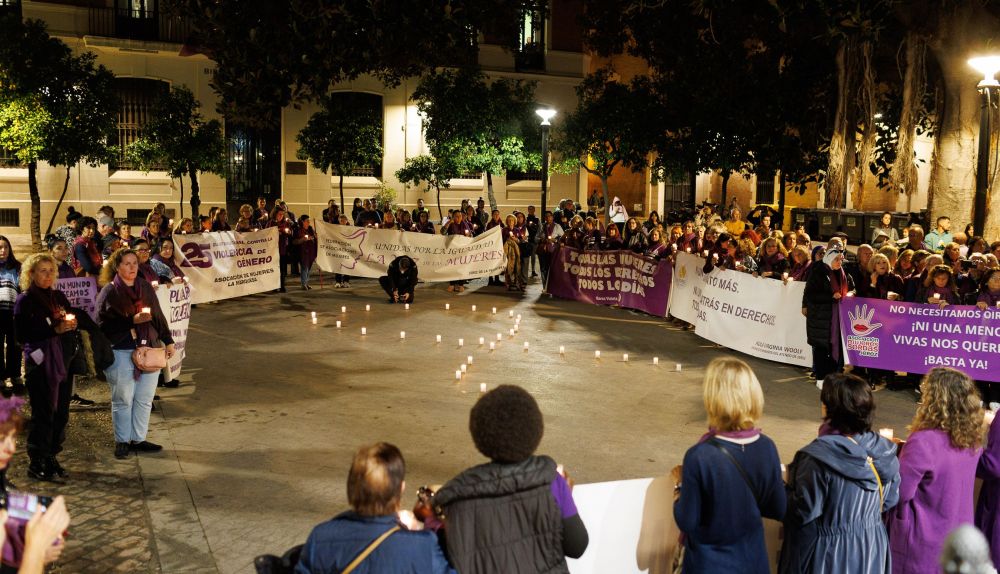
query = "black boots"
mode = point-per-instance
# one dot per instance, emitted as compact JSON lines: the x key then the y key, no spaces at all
{"x":40,"y":469}
{"x":121,"y":450}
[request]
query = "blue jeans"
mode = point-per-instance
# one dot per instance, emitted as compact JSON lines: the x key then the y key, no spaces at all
{"x":304,"y":273}
{"x":131,"y":400}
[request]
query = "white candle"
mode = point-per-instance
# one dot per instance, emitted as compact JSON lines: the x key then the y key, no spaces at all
{"x":458,"y":375}
{"x":678,"y":367}
{"x":70,"y":317}
{"x":314,"y":314}
{"x":715,"y":256}
{"x":517,"y":327}
{"x":656,"y":360}
{"x":461,"y":342}
{"x":469,"y":359}
{"x":625,"y":357}
{"x":998,"y":304}
{"x":338,"y":324}
{"x":937,"y":296}
{"x":887,"y":433}
{"x":482,"y":340}
{"x":525,"y":345}
{"x":146,"y":309}
{"x":673,"y":246}
{"x":518,"y":317}
{"x":407,"y":306}
{"x":597,"y":354}
{"x":447,"y":306}
{"x":499,"y":336}
{"x":562,"y":350}
{"x":705,"y":253}
{"x":437,"y":338}
{"x":494,"y":310}
{"x":784,"y":275}
{"x":493,"y":346}
{"x":688,"y":249}
{"x":464,"y":368}
{"x":368,"y":307}
{"x":473,"y":307}
{"x":155,"y":284}
{"x":402,"y":334}
{"x":482,"y":387}
{"x":364,"y":330}
{"x":343,"y":309}
{"x":314,"y":320}
{"x":511,"y":332}
{"x":510,"y":313}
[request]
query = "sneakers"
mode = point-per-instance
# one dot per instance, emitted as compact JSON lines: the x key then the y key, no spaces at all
{"x":76,"y":401}
{"x":146,"y":446}
{"x":122,"y":450}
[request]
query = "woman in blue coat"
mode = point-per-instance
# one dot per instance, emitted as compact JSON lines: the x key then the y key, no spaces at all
{"x":838,"y":487}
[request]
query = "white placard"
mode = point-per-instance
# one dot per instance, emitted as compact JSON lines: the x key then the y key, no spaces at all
{"x":226,"y":264}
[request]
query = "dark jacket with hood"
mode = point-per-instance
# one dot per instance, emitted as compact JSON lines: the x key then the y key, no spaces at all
{"x":834,"y":518}
{"x":504,"y":518}
{"x":817,"y":298}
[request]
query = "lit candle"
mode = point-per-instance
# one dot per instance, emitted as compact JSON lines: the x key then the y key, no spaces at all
{"x":314,"y":314}
{"x":525,"y":345}
{"x":461,"y":342}
{"x":314,"y":320}
{"x":678,"y":367}
{"x":155,"y":284}
{"x":625,"y":357}
{"x":146,"y":310}
{"x":937,"y":296}
{"x":510,"y":313}
{"x":688,"y":249}
{"x":464,"y":368}
{"x":437,"y":338}
{"x":482,"y":387}
{"x":368,"y":307}
{"x":447,"y":306}
{"x":343,"y":309}
{"x":482,"y":340}
{"x":785,"y":275}
{"x":364,"y":330}
{"x":998,"y":304}
{"x":705,"y":253}
{"x":715,"y":256}
{"x":511,"y":332}
{"x":402,"y":334}
{"x":494,"y":310}
{"x":673,"y":246}
{"x":499,"y":337}
{"x":517,"y":327}
{"x":469,"y":359}
{"x":407,"y":306}
{"x":338,"y":324}
{"x":493,"y":346}
{"x":562,"y":350}
{"x":518,"y":317}
{"x":473,"y":307}
{"x":656,"y":360}
{"x":186,"y":279}
{"x":597,"y":354}
{"x":69,"y":317}
{"x":458,"y":375}
{"x":887,"y":433}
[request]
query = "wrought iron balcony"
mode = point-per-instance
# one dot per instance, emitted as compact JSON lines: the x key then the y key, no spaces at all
{"x":143,"y":25}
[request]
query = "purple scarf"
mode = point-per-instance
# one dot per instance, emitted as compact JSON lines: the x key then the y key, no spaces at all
{"x":170,"y":263}
{"x":53,"y":362}
{"x":145,"y":334}
{"x":740,"y":434}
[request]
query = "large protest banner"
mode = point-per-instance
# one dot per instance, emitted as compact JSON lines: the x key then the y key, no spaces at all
{"x":618,"y":278}
{"x":226,"y":264}
{"x":175,"y":303}
{"x":366,"y":252}
{"x":753,"y":315}
{"x":915,"y":337}
{"x":81,"y":292}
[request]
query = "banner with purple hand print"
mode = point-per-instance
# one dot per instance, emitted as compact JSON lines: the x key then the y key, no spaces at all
{"x":225,"y":264}
{"x":916,"y":337}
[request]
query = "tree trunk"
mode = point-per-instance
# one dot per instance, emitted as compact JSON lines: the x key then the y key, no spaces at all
{"x":843,"y":140}
{"x":489,"y":191}
{"x":953,"y":168}
{"x":181,"y":179}
{"x":903,"y":176}
{"x":195,"y":194}
{"x":342,"y":205}
{"x":440,"y":213}
{"x":725,"y":188}
{"x":781,"y":200}
{"x":36,"y":207}
{"x":55,"y":212}
{"x":607,"y":200}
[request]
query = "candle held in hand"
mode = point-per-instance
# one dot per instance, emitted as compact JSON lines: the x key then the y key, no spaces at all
{"x":146,"y":310}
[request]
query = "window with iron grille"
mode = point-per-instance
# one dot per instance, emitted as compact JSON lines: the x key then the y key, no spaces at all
{"x":677,"y":192}
{"x":136,"y":217}
{"x":253,"y":157}
{"x":531,"y":41}
{"x":765,"y":187}
{"x":10,"y":217}
{"x":531,"y":175}
{"x":137,"y":96}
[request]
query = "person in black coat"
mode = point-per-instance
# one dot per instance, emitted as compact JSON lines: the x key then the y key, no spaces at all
{"x":825,"y":288}
{"x":401,"y":280}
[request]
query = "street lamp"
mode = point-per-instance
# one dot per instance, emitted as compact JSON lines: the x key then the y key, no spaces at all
{"x":988,"y":66}
{"x":546,"y":114}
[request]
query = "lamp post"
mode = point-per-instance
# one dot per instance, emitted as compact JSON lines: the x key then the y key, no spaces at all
{"x":546,"y":115}
{"x":988,"y":66}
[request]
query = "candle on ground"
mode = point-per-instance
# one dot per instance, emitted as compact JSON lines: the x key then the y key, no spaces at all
{"x":518,"y":317}
{"x":499,"y":336}
{"x":343,"y":309}
{"x":338,"y":324}
{"x":517,"y":327}
{"x":482,"y":340}
{"x":494,"y":310}
{"x":402,"y":334}
{"x":678,"y":367}
{"x":493,"y":346}
{"x":510,"y":314}
{"x":562,"y":350}
{"x":625,"y":357}
{"x":364,"y":330}
{"x":407,"y":306}
{"x":482,"y":387}
{"x":473,"y":307}
{"x":461,"y":342}
{"x":458,"y":375}
{"x":464,"y":367}
{"x":368,"y":307}
{"x":525,"y":345}
{"x":314,"y":320}
{"x":511,"y":332}
{"x":656,"y":360}
{"x":469,"y":359}
{"x":447,"y":306}
{"x":314,"y":314}
{"x":597,"y":354}
{"x":437,"y":338}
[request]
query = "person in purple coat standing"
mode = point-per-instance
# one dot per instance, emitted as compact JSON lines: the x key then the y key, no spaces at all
{"x":937,"y":469}
{"x":988,"y":505}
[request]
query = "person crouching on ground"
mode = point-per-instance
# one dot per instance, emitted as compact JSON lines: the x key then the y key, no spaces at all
{"x":397,"y":542}
{"x":514,"y":514}
{"x":130,"y":316}
{"x":401,"y":280}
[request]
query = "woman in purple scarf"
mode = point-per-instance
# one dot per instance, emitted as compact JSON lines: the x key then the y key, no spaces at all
{"x":730,"y":479}
{"x":130,"y":316}
{"x":772,"y":263}
{"x":163,"y":262}
{"x":826,"y":286}
{"x":799,"y":269}
{"x":937,"y":469}
{"x":656,"y":249}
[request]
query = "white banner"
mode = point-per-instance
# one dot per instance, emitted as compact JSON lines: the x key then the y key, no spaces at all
{"x":175,"y":303}
{"x":226,"y":264}
{"x":366,"y":252}
{"x":752,"y":315}
{"x":81,"y":292}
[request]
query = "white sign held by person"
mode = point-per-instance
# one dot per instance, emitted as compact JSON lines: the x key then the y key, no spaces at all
{"x":367,"y":252}
{"x":175,"y":303}
{"x":225,"y":264}
{"x":81,"y":292}
{"x":754,"y":315}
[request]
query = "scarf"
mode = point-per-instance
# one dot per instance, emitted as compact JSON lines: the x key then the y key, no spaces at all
{"x":740,"y":434}
{"x":145,"y":333}
{"x":53,"y":361}
{"x":769,"y":261}
{"x":825,"y":429}
{"x":838,"y":283}
{"x":171,"y":264}
{"x":92,"y":251}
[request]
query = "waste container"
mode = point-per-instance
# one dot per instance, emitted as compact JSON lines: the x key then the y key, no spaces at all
{"x":853,"y":224}
{"x":901,"y":221}
{"x":873,"y":219}
{"x":829,"y":222}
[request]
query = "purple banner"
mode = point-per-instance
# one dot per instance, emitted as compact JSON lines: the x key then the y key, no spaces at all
{"x":916,"y":337}
{"x":81,"y":292}
{"x":619,"y":278}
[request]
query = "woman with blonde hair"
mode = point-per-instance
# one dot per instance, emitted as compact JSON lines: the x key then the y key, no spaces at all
{"x":937,"y":470}
{"x":730,"y":479}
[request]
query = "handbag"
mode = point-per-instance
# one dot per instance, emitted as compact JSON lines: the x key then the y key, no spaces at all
{"x":371,"y":548}
{"x":148,"y":359}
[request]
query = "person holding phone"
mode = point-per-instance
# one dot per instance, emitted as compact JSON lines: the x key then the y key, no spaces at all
{"x":130,"y":316}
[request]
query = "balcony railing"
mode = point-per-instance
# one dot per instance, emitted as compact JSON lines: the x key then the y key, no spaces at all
{"x":146,"y":25}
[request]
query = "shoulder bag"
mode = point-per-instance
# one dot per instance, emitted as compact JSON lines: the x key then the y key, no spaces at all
{"x":371,"y":548}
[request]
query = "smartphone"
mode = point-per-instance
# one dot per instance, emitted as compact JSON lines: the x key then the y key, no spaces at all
{"x":22,"y":505}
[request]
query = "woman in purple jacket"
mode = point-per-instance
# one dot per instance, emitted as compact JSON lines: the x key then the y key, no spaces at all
{"x":937,"y":469}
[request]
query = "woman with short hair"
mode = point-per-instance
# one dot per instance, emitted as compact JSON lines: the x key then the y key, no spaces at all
{"x":937,"y":468}
{"x":130,"y":317}
{"x":730,"y":479}
{"x":286,"y":229}
{"x":375,"y":486}
{"x":838,"y":487}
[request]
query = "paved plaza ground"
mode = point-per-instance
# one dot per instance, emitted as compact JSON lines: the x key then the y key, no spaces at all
{"x":259,"y":436}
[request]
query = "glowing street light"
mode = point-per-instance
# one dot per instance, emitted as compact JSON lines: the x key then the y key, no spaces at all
{"x":546,"y":114}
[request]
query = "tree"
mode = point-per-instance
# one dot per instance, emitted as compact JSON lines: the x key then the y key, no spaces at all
{"x":613,"y":125}
{"x":178,"y":138}
{"x":434,"y":172}
{"x":55,"y":106}
{"x":485,"y":121}
{"x":296,"y":50}
{"x":344,"y":135}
